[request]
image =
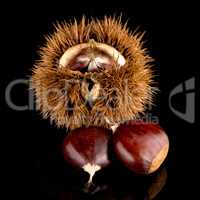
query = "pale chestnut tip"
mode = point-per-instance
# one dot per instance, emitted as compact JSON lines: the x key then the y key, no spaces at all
{"x":91,"y":169}
{"x":113,"y":125}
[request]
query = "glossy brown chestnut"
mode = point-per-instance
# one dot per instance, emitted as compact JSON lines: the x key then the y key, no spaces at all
{"x":142,"y":147}
{"x":87,"y":148}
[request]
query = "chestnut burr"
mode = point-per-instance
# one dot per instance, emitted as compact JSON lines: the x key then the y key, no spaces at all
{"x":142,"y":147}
{"x":87,"y":148}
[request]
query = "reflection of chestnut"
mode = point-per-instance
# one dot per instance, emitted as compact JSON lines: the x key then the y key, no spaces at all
{"x":157,"y":184}
{"x":87,"y":148}
{"x":142,"y":147}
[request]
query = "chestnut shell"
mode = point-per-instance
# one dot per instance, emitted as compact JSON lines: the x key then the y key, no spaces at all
{"x":142,"y":147}
{"x":87,"y":145}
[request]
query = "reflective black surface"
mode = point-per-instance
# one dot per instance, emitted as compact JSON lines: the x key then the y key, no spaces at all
{"x":32,"y":161}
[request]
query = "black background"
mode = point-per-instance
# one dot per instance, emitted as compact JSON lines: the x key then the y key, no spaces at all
{"x":33,"y":164}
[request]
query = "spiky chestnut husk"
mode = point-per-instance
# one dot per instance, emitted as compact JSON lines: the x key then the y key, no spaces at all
{"x":124,"y":92}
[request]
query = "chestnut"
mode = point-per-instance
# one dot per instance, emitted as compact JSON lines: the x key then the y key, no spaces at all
{"x":87,"y":148}
{"x":140,"y":146}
